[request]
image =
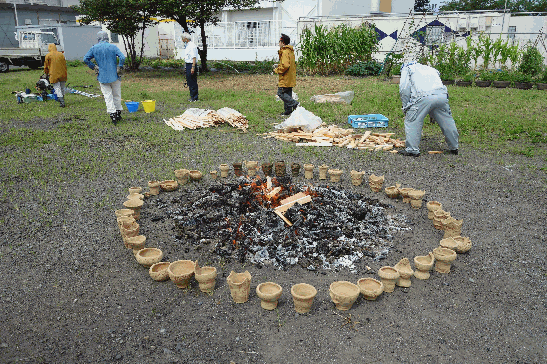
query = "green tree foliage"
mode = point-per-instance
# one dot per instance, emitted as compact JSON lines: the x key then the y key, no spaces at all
{"x":125,"y":17}
{"x":423,"y":6}
{"x":326,"y":51}
{"x":531,"y":62}
{"x":192,"y":14}
{"x":512,"y":5}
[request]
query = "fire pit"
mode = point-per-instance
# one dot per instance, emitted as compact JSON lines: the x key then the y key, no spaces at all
{"x":280,"y":223}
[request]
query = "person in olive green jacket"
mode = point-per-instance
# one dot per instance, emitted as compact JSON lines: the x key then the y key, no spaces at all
{"x":55,"y":68}
{"x":286,"y":69}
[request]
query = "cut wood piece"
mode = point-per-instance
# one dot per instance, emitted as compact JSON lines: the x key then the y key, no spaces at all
{"x":292,"y":198}
{"x":269,"y":183}
{"x":314,"y":144}
{"x":273,"y":192}
{"x":288,"y":205}
{"x":435,"y":152}
{"x":283,"y":217}
{"x":365,"y":136}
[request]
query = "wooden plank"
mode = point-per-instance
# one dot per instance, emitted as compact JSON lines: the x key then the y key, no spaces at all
{"x":273,"y":192}
{"x":292,"y":198}
{"x":364,"y":137}
{"x":283,"y":217}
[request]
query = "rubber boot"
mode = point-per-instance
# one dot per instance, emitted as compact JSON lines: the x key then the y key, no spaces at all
{"x":113,"y":117}
{"x":62,"y":101}
{"x":118,"y":115}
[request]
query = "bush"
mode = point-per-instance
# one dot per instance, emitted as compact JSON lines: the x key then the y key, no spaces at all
{"x":532,"y":62}
{"x":370,"y":68}
{"x":502,"y":76}
{"x":521,"y":77}
{"x":487,"y":76}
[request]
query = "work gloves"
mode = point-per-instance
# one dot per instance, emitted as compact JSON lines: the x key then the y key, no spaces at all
{"x":96,"y":69}
{"x":119,"y":70}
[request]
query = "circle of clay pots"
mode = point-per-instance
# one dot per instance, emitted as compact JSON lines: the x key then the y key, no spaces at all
{"x":370,"y":288}
{"x":240,"y":286}
{"x":423,"y":264}
{"x":169,"y":185}
{"x":154,"y":187}
{"x":303,"y":295}
{"x":195,"y":175}
{"x":443,"y":259}
{"x":149,"y":256}
{"x":206,"y":277}
{"x":136,"y":243}
{"x":269,"y":293}
{"x":405,"y":272}
{"x":135,"y":190}
{"x":343,"y":294}
{"x":158,"y":271}
{"x":464,"y":244}
{"x":389,"y":276}
{"x":181,"y":272}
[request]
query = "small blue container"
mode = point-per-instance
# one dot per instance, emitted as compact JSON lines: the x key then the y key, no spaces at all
{"x":368,"y":121}
{"x":132,"y":106}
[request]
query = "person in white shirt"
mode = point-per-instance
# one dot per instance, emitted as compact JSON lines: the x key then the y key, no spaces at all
{"x":190,"y":57}
{"x":422,"y":92}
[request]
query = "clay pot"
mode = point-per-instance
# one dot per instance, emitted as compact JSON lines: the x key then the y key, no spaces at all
{"x":392,"y":191}
{"x":449,"y":243}
{"x":135,"y":190}
{"x":483,"y":83}
{"x":308,"y":171}
{"x":195,"y":175}
{"x":295,"y":169}
{"x":323,"y":171}
{"x":159,"y":272}
{"x":376,"y":182}
{"x":267,"y":169}
{"x":129,"y":232}
{"x":252,"y":167}
{"x":370,"y":288}
{"x":136,"y":243}
{"x":206,"y":277}
{"x":501,"y":84}
{"x":169,"y":185}
{"x":134,"y":205}
{"x":123,"y":213}
{"x":268,"y":293}
{"x":356,"y":177}
{"x":213,"y":174}
{"x":182,"y":176}
{"x":432,"y":206}
{"x":404,"y":192}
{"x":335,"y":175}
{"x":389,"y":276}
{"x":443,"y":259}
{"x":423,"y":264}
{"x":240,"y":286}
{"x":438,"y":217}
{"x":416,"y":197}
{"x":224,"y":169}
{"x":181,"y":272}
{"x":148,"y":256}
{"x":405,"y":272}
{"x":452,"y":227}
{"x":303,"y":295}
{"x":464,"y":244}
{"x":343,"y":294}
{"x":280,"y":169}
{"x":238,"y":171}
{"x":135,"y":196}
{"x":154,"y":187}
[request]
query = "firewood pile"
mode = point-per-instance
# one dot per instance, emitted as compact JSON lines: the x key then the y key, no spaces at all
{"x":332,"y":135}
{"x":195,"y":118}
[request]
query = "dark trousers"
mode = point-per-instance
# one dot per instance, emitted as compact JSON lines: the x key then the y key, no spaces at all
{"x":192,"y":81}
{"x":285,"y":94}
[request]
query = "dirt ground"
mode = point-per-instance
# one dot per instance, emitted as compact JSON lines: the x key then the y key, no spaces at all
{"x":71,"y":292}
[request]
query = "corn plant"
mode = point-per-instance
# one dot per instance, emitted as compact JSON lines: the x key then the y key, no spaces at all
{"x":487,"y":47}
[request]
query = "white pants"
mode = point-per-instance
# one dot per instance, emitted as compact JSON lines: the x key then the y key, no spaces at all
{"x":59,"y":88}
{"x":112,"y":93}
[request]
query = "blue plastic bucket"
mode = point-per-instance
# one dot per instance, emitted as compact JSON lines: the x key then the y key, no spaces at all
{"x":132,"y":106}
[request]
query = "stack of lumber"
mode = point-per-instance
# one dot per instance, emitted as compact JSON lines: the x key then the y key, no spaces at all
{"x":200,"y":118}
{"x":332,"y":135}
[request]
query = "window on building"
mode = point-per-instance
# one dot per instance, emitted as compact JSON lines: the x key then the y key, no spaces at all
{"x":434,"y":35}
{"x":114,"y":38}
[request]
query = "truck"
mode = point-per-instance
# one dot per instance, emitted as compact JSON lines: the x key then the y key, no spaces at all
{"x":33,"y":47}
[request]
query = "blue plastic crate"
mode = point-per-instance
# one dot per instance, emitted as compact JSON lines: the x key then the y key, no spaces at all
{"x":368,"y":121}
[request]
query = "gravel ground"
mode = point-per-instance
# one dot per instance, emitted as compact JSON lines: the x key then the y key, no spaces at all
{"x":71,"y":292}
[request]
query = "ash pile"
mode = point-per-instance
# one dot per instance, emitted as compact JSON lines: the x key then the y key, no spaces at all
{"x":332,"y":229}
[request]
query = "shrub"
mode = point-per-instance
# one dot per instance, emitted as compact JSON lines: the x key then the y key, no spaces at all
{"x":521,"y":77}
{"x":370,"y":68}
{"x":487,"y":76}
{"x":503,"y":76}
{"x":532,"y":62}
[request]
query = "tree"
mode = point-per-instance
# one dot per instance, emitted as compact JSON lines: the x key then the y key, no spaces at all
{"x":510,"y":5}
{"x":423,"y":6}
{"x":125,"y":17}
{"x":198,"y":13}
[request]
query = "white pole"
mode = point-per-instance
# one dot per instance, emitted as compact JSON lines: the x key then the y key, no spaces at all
{"x":16,"y":18}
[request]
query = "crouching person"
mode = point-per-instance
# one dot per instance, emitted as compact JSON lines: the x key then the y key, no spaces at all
{"x":55,"y":69}
{"x":108,"y":70}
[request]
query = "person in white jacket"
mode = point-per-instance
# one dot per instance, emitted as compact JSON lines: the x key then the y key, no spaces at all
{"x":422,"y":92}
